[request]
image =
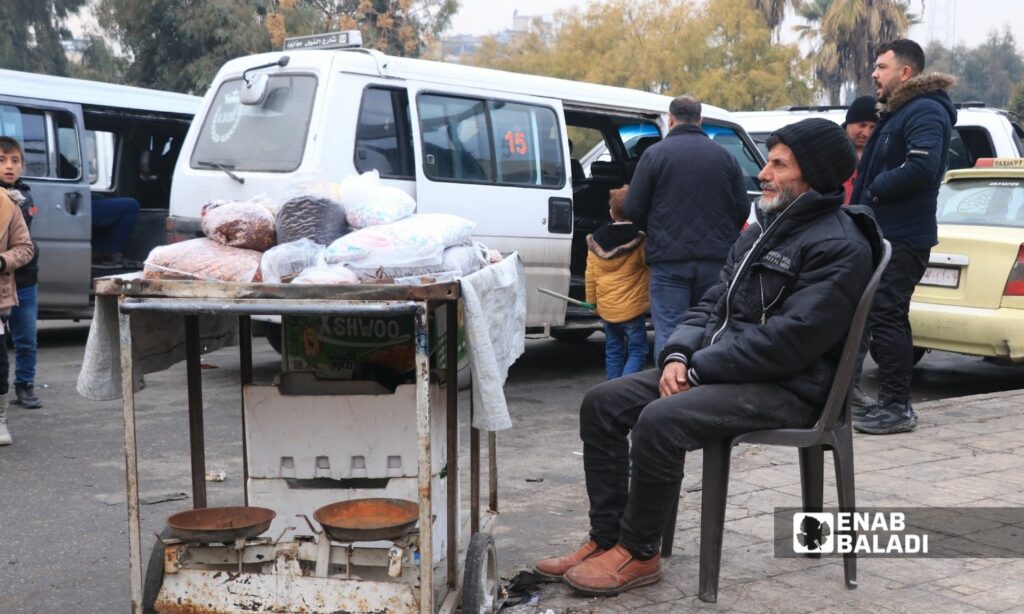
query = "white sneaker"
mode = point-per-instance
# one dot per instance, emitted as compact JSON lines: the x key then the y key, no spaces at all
{"x":5,"y":436}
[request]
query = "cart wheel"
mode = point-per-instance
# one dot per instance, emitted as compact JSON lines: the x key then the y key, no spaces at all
{"x":571,"y":335}
{"x":154,"y":577}
{"x":480,"y":584}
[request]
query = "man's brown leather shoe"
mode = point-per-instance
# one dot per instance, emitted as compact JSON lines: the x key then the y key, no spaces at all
{"x":612,"y":572}
{"x":555,"y":567}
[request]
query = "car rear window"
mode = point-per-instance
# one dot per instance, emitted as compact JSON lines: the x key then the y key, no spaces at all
{"x":982,"y":202}
{"x":266,"y":137}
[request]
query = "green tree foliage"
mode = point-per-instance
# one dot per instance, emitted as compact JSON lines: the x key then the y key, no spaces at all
{"x":31,"y":32}
{"x":396,"y":27}
{"x":180,"y":44}
{"x":718,"y":50}
{"x":986,"y":73}
{"x":1016,"y":102}
{"x":98,"y":63}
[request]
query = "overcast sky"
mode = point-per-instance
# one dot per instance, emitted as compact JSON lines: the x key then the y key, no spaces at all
{"x":972,"y":19}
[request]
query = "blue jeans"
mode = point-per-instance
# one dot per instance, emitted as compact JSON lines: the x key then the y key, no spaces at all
{"x":625,"y":346}
{"x":23,"y":333}
{"x":112,"y":222}
{"x":674,"y":288}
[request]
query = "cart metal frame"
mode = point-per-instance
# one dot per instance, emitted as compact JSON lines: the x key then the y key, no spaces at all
{"x":192,"y":299}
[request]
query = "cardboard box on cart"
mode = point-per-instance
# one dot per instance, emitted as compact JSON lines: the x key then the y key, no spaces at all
{"x":364,"y":348}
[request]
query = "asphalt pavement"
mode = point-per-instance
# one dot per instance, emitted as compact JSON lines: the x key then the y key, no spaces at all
{"x":63,"y":523}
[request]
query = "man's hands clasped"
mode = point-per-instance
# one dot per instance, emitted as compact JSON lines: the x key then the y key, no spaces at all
{"x":673,"y":379}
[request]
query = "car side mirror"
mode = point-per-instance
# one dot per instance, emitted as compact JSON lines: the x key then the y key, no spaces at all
{"x":255,"y":90}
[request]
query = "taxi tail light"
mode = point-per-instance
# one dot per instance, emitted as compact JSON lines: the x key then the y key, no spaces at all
{"x":1015,"y":281}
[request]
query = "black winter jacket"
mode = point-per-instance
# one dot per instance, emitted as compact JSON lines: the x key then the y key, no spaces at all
{"x":21,"y":194}
{"x":905,"y":158}
{"x":688,"y":193}
{"x":782,"y":308}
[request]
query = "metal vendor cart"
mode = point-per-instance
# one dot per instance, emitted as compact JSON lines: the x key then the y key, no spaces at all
{"x":256,"y":562}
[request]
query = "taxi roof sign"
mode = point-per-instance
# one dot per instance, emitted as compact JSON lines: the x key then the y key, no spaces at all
{"x":999,"y":163}
{"x":330,"y":40}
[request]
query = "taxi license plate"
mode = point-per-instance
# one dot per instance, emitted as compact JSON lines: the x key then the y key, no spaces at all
{"x":941,"y":276}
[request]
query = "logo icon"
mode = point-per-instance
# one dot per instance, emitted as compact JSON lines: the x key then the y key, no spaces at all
{"x":813,"y":533}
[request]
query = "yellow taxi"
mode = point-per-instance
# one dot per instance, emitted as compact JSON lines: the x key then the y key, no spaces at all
{"x":971,"y":298}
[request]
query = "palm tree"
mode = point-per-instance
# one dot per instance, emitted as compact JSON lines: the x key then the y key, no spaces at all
{"x":825,"y":56}
{"x":774,"y":11}
{"x":856,"y":28}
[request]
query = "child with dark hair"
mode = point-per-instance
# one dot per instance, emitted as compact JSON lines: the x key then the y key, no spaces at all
{"x":25,"y":314}
{"x":616,"y":281}
{"x":16,"y":250}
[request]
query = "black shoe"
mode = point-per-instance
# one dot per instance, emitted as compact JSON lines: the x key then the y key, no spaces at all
{"x":860,"y":403}
{"x":887,"y":418}
{"x":27,"y":398}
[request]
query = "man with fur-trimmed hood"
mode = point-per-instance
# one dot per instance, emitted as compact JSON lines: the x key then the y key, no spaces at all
{"x":899,"y":176}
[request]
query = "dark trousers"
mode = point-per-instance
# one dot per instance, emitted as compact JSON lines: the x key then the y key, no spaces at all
{"x":112,"y":222}
{"x":5,"y":359}
{"x":888,"y":326}
{"x":662,"y":430}
{"x":674,"y":288}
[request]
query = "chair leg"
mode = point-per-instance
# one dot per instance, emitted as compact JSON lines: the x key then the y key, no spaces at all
{"x":842,"y":457}
{"x":812,"y":481}
{"x":668,"y":535}
{"x":715,"y":487}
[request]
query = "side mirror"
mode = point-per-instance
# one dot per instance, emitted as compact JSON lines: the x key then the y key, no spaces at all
{"x":255,"y":90}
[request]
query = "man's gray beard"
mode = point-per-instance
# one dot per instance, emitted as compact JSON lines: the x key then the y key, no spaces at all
{"x":784,"y":199}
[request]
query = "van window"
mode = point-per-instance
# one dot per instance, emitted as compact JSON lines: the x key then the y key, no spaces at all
{"x":269,"y":137}
{"x":383,"y":135}
{"x":731,"y":141}
{"x":69,"y":154}
{"x":28,"y":127}
{"x":491,"y":141}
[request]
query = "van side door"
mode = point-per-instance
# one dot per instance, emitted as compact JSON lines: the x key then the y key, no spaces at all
{"x":500,"y":160}
{"x":51,"y":134}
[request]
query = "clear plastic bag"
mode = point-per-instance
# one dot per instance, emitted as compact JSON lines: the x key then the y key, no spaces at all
{"x":203,"y":259}
{"x":248,"y":224}
{"x":325,"y":274}
{"x":465,"y":259}
{"x":368,"y":202}
{"x":416,"y":241}
{"x":285,"y":261}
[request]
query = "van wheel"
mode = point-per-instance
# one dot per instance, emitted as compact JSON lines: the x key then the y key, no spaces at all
{"x":571,"y":336}
{"x":919,"y":354}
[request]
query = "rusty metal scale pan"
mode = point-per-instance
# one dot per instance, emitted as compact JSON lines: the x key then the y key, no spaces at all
{"x":221,"y":525}
{"x":361,"y":520}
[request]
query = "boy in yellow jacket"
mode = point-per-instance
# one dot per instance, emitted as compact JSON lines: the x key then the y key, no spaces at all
{"x":616,"y":281}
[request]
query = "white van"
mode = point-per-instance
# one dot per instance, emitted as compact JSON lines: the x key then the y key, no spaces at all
{"x":85,"y":140}
{"x":498,"y":148}
{"x":980,"y":132}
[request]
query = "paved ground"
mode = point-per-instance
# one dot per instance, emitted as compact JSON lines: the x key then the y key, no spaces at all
{"x":967,"y":452}
{"x":63,"y":544}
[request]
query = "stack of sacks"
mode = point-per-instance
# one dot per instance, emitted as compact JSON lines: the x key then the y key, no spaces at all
{"x":237,"y":232}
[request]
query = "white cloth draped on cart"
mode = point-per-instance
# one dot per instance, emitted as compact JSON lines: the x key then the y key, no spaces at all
{"x":495,"y":306}
{"x":158,"y":341}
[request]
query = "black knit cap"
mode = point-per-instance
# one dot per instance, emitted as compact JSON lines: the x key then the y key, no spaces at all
{"x":862,"y":110}
{"x":823,"y":151}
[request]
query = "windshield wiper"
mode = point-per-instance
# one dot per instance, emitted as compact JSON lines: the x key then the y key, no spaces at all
{"x":223,"y":167}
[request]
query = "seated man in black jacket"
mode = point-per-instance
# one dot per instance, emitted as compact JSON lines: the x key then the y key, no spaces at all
{"x":758,"y":352}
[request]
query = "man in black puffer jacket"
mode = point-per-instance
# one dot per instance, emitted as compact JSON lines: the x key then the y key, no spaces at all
{"x":899,"y":177}
{"x":688,"y":194}
{"x":758,"y":352}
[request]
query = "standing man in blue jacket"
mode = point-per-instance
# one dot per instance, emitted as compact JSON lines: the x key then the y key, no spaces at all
{"x":688,"y":193}
{"x":898,"y":177}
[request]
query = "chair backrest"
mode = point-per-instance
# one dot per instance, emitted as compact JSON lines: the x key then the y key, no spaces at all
{"x":839,"y":394}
